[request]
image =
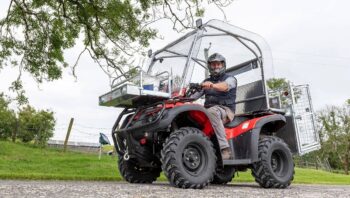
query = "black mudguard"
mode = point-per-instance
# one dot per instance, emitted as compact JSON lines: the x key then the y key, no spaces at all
{"x":171,"y":114}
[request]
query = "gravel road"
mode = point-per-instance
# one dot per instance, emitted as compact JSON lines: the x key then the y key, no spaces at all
{"x":11,"y":188}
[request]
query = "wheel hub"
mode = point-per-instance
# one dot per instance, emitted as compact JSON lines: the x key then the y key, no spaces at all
{"x":277,"y":164}
{"x":274,"y":164}
{"x":191,"y":158}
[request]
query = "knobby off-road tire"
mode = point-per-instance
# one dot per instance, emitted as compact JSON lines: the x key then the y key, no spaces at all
{"x":224,"y":176}
{"x":188,"y":158}
{"x":134,"y":174}
{"x":275,"y":168}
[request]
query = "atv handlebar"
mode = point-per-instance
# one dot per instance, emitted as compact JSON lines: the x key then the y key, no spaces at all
{"x":196,"y":86}
{"x":193,"y":88}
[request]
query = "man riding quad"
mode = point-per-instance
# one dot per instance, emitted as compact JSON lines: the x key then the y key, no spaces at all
{"x":220,"y":95}
{"x":161,"y":130}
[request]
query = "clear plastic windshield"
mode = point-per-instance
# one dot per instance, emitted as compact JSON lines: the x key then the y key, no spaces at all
{"x":166,"y":62}
{"x":173,"y":59}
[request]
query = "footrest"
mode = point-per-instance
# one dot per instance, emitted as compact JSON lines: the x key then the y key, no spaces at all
{"x":237,"y":162}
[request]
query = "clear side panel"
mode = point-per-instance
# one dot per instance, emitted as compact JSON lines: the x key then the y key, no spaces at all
{"x":234,"y":51}
{"x":241,"y":62}
{"x":249,"y":37}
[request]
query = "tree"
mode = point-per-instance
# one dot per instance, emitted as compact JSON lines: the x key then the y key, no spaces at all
{"x":335,"y":133}
{"x":35,"y":33}
{"x":36,"y":125}
{"x":7,"y":118}
{"x":277,"y":83}
{"x":280,"y":87}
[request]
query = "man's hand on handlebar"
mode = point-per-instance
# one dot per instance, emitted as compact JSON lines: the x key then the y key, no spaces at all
{"x":193,"y":88}
{"x":207,"y":85}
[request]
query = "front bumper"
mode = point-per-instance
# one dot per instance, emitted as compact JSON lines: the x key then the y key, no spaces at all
{"x":126,"y":139}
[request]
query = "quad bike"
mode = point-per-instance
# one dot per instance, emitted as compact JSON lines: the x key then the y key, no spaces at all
{"x":162,"y":129}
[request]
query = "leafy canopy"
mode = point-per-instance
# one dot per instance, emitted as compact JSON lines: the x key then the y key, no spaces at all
{"x":335,"y":133}
{"x":35,"y":125}
{"x":27,"y":125}
{"x":7,"y":118}
{"x":35,"y":33}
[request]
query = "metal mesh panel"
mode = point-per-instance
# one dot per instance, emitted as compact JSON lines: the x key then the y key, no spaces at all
{"x":305,"y":118}
{"x":300,"y":132}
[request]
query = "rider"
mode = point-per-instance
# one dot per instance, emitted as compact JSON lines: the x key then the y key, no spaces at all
{"x":220,"y":95}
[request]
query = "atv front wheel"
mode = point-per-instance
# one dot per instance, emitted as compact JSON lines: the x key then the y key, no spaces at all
{"x":188,"y":158}
{"x":275,"y":168}
{"x":224,"y":175}
{"x":132,"y":173}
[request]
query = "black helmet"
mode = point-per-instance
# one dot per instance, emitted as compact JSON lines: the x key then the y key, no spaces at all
{"x":216,"y":57}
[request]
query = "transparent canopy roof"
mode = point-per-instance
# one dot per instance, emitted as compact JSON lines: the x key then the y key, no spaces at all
{"x":185,"y":58}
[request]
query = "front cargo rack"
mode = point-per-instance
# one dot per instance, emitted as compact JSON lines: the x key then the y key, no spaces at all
{"x":141,"y":88}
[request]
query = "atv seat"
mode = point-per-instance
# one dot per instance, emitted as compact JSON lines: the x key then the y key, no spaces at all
{"x":237,"y":120}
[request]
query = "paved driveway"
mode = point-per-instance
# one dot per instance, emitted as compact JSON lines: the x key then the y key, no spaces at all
{"x":13,"y":188}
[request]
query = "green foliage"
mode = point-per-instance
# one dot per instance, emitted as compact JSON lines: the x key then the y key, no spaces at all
{"x":277,"y":87}
{"x":28,"y":125}
{"x":277,"y":83}
{"x":35,"y":125}
{"x":35,"y":33}
{"x":335,"y":135}
{"x":7,"y":118}
{"x":280,"y":87}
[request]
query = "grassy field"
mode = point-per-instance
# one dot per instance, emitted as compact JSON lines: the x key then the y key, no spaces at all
{"x":18,"y":161}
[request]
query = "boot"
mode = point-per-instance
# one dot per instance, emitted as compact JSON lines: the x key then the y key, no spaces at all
{"x":226,"y":154}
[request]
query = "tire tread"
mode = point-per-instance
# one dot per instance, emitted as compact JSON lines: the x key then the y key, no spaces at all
{"x":168,"y":158}
{"x":260,"y":170}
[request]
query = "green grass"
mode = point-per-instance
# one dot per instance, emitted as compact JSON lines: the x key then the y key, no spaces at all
{"x":305,"y":176}
{"x":20,"y":161}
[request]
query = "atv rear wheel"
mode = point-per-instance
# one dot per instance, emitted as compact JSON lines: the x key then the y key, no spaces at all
{"x":276,"y":167}
{"x":132,"y":173}
{"x":188,"y":158}
{"x":224,"y":176}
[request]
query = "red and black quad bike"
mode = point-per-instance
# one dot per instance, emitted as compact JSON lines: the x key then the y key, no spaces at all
{"x":162,"y":129}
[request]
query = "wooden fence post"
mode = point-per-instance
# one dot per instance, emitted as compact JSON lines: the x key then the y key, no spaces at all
{"x":68,"y":133}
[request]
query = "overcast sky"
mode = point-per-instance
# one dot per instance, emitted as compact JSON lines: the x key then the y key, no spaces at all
{"x":309,"y":41}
